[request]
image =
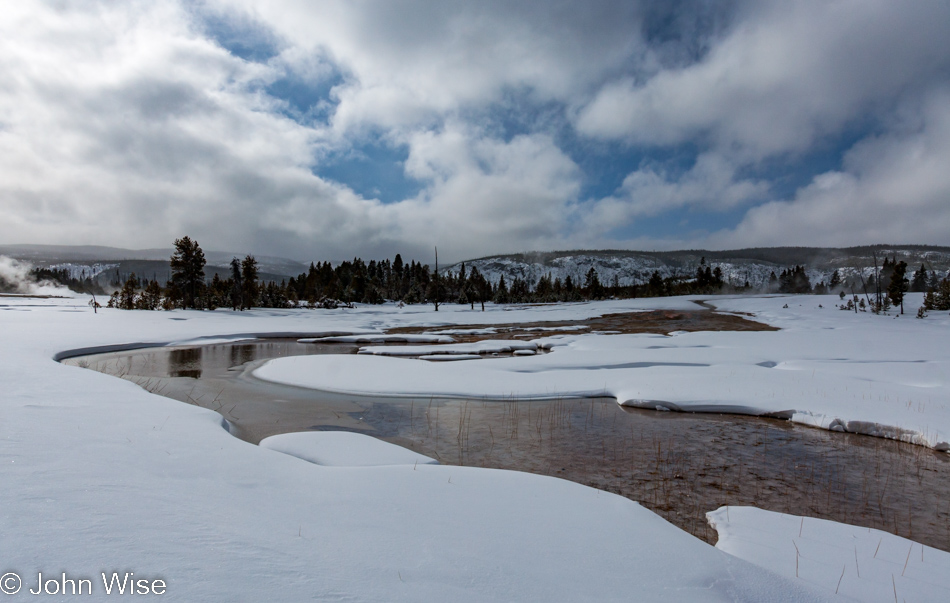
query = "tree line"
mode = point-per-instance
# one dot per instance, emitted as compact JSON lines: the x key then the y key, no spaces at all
{"x":355,"y":281}
{"x":61,"y":276}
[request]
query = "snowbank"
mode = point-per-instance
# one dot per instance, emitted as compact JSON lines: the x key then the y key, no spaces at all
{"x":343,"y":449}
{"x":858,"y":563}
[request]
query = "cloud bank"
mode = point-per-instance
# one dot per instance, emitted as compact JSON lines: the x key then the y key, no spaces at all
{"x":332,"y":129}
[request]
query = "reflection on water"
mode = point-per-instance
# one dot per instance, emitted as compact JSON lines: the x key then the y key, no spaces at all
{"x":242,"y":354}
{"x":678,"y":465}
{"x":185,"y":362}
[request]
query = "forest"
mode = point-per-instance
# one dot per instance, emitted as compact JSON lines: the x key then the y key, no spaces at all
{"x":356,"y":281}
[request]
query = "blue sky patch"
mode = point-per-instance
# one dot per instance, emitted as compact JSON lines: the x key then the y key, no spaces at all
{"x":375,"y":171}
{"x":240,"y":36}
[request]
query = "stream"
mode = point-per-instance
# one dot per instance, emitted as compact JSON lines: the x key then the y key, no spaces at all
{"x":679,"y":465}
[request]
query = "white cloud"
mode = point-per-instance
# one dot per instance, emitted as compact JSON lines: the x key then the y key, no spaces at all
{"x":710,"y":184}
{"x":126,"y":124}
{"x":893,"y":188}
{"x":787,"y":74}
{"x":515,"y":194}
{"x":412,"y":62}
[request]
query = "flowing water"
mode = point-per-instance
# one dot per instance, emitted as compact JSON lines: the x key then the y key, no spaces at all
{"x":679,"y":465}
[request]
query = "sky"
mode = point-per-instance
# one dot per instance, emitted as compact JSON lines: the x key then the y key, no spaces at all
{"x":327,"y":130}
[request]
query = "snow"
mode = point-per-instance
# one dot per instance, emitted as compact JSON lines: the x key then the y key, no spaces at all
{"x":634,"y":268}
{"x":343,"y":449}
{"x":82,"y":271}
{"x":862,"y":564}
{"x":100,"y":475}
{"x":885,"y":376}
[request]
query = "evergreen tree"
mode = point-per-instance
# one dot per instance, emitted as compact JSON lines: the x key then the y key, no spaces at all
{"x":250,"y":292}
{"x":887,"y":271}
{"x":126,"y":300}
{"x":570,"y":293}
{"x":187,"y":272}
{"x":655,"y":286}
{"x":592,"y":285}
{"x":501,"y":293}
{"x":218,"y":293}
{"x":835,"y":282}
{"x":794,"y":280}
{"x":479,"y":287}
{"x":919,"y":283}
{"x":151,"y":297}
{"x":237,"y":285}
{"x":702,"y":280}
{"x":898,"y":284}
{"x":938,"y":298}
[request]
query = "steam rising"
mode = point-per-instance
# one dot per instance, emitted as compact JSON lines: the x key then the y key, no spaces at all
{"x":15,"y":278}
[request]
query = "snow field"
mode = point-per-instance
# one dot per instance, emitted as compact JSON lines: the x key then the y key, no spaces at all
{"x":99,"y":474}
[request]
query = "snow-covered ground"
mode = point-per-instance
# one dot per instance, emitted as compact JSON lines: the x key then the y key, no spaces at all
{"x":100,"y":476}
{"x":856,"y":563}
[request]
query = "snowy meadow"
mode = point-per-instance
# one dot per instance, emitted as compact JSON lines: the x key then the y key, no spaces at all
{"x":102,"y":475}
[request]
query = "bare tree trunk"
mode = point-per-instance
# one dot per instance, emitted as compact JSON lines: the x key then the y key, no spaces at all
{"x":436,"y":292}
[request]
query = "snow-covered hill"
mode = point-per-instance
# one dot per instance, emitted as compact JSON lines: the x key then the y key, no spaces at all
{"x":738,"y":266}
{"x":84,"y":271}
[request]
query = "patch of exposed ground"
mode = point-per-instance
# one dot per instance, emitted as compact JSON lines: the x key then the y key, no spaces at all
{"x":652,"y":321}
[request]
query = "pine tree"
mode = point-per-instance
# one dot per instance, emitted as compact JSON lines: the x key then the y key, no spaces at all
{"x":655,"y":286}
{"x":237,"y":284}
{"x":835,"y":282}
{"x":250,"y":291}
{"x":592,"y":285}
{"x":501,"y":293}
{"x":188,"y":274}
{"x":126,"y":300}
{"x":151,"y":297}
{"x":898,"y":284}
{"x":702,"y":280}
{"x":919,"y":283}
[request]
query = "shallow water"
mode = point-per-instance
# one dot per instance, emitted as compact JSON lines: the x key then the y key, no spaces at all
{"x":679,"y":465}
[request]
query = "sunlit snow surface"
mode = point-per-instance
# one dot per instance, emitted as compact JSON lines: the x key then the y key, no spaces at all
{"x":343,"y":449}
{"x":99,"y":475}
{"x":858,"y":563}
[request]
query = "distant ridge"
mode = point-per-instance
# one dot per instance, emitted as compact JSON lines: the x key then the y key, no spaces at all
{"x":752,"y":265}
{"x":144,"y":262}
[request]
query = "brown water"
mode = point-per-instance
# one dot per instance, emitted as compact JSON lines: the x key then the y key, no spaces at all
{"x":679,"y":465}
